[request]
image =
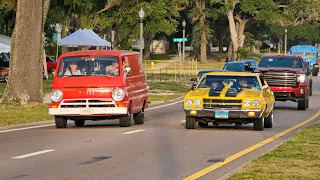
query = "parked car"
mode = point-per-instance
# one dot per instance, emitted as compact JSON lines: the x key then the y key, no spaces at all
{"x":199,"y":75}
{"x":288,"y":77}
{"x":238,"y":67}
{"x":230,"y":98}
{"x":99,"y":85}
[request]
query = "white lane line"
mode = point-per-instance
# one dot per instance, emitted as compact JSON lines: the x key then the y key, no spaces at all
{"x":136,"y":131}
{"x":164,"y":105}
{"x":33,"y":154}
{"x":34,"y":127}
{"x":183,"y":121}
{"x":25,"y":128}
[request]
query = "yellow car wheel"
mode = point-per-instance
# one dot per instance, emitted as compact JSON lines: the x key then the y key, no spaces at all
{"x":268,"y":123}
{"x":258,"y":124}
{"x":191,"y":123}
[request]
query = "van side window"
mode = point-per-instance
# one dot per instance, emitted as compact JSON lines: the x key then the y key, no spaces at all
{"x":125,"y":64}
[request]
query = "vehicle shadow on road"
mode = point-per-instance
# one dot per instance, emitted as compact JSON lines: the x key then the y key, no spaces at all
{"x":247,"y":127}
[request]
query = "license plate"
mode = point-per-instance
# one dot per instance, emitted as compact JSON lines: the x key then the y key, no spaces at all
{"x":316,"y":65}
{"x":221,"y":114}
{"x":86,"y":111}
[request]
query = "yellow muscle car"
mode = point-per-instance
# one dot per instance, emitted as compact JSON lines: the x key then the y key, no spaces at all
{"x":230,"y":98}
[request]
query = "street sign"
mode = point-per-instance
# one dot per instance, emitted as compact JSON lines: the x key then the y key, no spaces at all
{"x":180,"y":39}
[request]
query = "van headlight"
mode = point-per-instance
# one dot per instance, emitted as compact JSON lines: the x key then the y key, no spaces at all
{"x":247,"y":103}
{"x":256,"y":103}
{"x":56,"y":95}
{"x":118,"y":94}
{"x":197,"y":102}
{"x":301,"y":77}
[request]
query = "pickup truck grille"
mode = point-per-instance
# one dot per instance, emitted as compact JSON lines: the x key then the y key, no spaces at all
{"x":222,"y":103}
{"x":286,"y":79}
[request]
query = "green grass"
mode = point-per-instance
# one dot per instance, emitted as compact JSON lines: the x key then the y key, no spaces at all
{"x":153,"y":97}
{"x":298,"y":158}
{"x":23,"y":114}
{"x":175,"y":87}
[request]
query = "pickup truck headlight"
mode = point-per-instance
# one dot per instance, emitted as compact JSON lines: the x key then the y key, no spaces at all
{"x":197,"y":102}
{"x":247,"y":103}
{"x":256,"y":103}
{"x":188,"y":102}
{"x":56,"y":95}
{"x":301,"y":78}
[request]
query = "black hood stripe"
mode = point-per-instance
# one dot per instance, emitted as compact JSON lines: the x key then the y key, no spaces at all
{"x":232,"y":94}
{"x":214,"y":92}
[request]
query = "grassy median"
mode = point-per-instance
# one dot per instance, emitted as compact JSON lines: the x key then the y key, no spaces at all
{"x":298,"y":158}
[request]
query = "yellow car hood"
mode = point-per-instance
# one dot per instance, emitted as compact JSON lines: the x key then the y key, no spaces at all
{"x":204,"y":93}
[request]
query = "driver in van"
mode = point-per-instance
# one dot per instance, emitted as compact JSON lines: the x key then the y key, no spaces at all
{"x":72,"y":69}
{"x":113,"y":69}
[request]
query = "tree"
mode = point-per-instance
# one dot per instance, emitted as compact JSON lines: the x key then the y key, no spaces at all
{"x":25,"y":73}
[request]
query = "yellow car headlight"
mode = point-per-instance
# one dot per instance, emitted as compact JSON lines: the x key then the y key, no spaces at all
{"x":188,"y":102}
{"x":247,"y":103}
{"x":256,"y":103}
{"x":197,"y":102}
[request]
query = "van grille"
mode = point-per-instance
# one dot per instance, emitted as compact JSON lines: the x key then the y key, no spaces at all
{"x":222,"y":103}
{"x":286,"y":79}
{"x":87,"y":103}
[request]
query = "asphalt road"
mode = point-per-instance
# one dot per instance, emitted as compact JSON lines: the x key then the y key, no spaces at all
{"x":160,"y":149}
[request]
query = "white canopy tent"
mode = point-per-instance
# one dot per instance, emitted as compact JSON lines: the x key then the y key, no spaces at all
{"x":5,"y":42}
{"x":83,"y":38}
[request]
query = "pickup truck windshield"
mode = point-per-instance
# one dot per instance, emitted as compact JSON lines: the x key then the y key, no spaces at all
{"x":218,"y":82}
{"x":280,"y":62}
{"x":89,"y":66}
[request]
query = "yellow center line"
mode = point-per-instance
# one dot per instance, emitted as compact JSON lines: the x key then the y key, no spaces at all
{"x":250,"y":149}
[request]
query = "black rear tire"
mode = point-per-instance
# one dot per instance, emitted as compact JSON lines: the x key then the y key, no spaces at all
{"x":139,"y":117}
{"x":79,"y":123}
{"x":268,"y":122}
{"x":61,"y":122}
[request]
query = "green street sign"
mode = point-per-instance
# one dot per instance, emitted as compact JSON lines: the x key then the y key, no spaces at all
{"x":180,"y":39}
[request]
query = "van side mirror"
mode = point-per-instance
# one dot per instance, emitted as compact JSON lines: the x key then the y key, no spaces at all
{"x":128,"y":70}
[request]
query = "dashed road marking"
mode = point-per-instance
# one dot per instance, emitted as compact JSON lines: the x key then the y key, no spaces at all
{"x":132,"y":132}
{"x":33,"y":154}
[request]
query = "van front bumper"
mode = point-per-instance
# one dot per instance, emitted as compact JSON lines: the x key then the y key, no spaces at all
{"x":110,"y":111}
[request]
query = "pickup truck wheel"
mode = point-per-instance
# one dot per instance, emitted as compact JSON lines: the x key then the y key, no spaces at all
{"x":79,"y":123}
{"x":61,"y":122}
{"x":191,"y":123}
{"x":308,"y":102}
{"x":310,"y":90}
{"x":258,"y":124}
{"x":139,"y":117}
{"x":125,"y":121}
{"x":268,"y":122}
{"x":302,"y":104}
{"x":202,"y":124}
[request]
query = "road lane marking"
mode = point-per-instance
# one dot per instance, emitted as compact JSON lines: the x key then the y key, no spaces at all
{"x":40,"y":126}
{"x":33,"y":154}
{"x":248,"y":150}
{"x":26,"y":128}
{"x":164,"y":105}
{"x":136,"y":131}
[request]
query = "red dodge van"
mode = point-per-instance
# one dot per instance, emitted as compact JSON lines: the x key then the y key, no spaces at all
{"x":99,"y":85}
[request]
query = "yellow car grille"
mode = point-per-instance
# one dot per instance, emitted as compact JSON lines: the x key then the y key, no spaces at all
{"x":222,"y":103}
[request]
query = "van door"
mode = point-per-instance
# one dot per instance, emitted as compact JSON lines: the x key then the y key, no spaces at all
{"x":128,"y":78}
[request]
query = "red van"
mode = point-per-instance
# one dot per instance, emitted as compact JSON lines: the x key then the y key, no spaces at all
{"x":99,"y":85}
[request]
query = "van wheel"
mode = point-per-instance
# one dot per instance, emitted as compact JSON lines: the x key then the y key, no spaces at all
{"x":191,"y":123}
{"x":61,"y":122}
{"x":258,"y":124}
{"x":125,"y":121}
{"x":302,"y":104}
{"x":268,"y":123}
{"x":138,"y":118}
{"x":79,"y":123}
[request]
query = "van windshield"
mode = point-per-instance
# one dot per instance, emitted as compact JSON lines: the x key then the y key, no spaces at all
{"x":89,"y":66}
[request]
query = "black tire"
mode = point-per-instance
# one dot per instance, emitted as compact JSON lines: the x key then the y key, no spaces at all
{"x":79,"y":123}
{"x":258,"y":124}
{"x":139,"y":117}
{"x":61,"y":122}
{"x":302,"y":104}
{"x":202,"y":124}
{"x":268,"y":121}
{"x":308,"y":102}
{"x":191,"y":123}
{"x":125,"y":121}
{"x":310,"y":90}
